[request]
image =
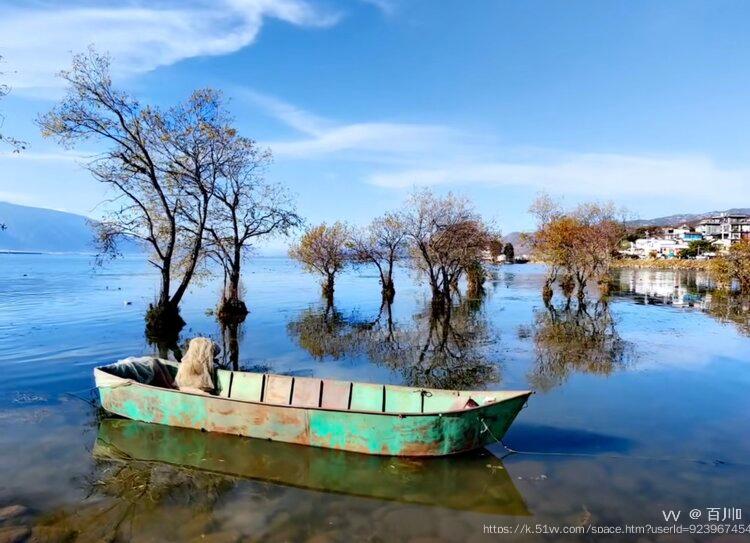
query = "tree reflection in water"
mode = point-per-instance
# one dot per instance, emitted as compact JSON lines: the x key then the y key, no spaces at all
{"x":445,"y":350}
{"x":576,"y":338}
{"x":231,"y":334}
{"x":126,"y":498}
{"x":730,"y":307}
{"x":322,"y":333}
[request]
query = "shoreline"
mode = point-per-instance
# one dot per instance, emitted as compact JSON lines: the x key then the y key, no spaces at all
{"x":661,"y":264}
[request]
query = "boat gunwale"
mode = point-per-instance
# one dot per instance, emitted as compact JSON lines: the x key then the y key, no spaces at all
{"x":516,"y":394}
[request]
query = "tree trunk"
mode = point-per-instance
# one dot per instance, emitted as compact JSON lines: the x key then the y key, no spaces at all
{"x":388,"y":291}
{"x":581,"y":288}
{"x":328,"y":286}
{"x":163,"y":324}
{"x":233,"y":290}
{"x":232,"y":307}
{"x":165,"y":285}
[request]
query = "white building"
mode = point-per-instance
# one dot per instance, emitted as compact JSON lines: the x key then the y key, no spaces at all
{"x":658,"y":247}
{"x":724,"y":227}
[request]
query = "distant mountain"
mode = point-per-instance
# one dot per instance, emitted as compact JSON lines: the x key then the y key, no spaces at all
{"x":685,"y":218}
{"x":46,"y":230}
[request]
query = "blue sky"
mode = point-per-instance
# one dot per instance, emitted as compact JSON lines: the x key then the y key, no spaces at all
{"x":640,"y":102}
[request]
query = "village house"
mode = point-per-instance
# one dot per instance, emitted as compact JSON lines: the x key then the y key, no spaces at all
{"x":727,"y":228}
{"x":667,"y":242}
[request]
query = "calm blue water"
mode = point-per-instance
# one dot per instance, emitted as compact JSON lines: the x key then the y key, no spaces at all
{"x":659,"y":376}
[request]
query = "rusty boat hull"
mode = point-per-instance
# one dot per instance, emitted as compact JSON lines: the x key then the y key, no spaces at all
{"x":351,"y":416}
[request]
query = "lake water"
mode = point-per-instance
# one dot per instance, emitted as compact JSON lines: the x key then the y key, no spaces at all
{"x":642,"y":406}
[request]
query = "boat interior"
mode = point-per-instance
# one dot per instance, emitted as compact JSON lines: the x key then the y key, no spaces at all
{"x":314,"y":392}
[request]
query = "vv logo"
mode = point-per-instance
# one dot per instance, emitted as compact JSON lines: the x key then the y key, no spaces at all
{"x":674,"y":516}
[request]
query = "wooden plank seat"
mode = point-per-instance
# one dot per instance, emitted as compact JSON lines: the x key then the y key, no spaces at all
{"x":339,"y":395}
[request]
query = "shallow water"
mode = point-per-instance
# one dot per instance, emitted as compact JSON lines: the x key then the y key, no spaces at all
{"x":645,"y":399}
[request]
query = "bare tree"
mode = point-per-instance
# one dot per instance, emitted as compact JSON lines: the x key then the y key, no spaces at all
{"x":448,"y":236}
{"x":578,"y":245}
{"x":14,"y":144}
{"x":245,"y":208}
{"x":161,"y":165}
{"x":382,"y":243}
{"x":323,"y":250}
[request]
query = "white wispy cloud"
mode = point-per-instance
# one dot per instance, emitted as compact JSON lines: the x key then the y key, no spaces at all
{"x":291,"y":115}
{"x":387,"y":7}
{"x":372,"y":140}
{"x":37,"y":38}
{"x":56,"y":156}
{"x":404,"y":155}
{"x":599,"y":174}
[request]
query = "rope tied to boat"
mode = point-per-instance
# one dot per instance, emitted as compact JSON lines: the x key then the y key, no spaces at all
{"x":510,"y":451}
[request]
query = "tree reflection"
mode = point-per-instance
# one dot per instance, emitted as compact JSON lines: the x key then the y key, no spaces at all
{"x":231,"y":333}
{"x":728,"y":307}
{"x":126,"y":498}
{"x":436,"y":350}
{"x":322,"y":332}
{"x":166,"y":343}
{"x":576,"y":338}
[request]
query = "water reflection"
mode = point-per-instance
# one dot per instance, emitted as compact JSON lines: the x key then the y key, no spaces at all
{"x":576,"y":338}
{"x":685,"y":289}
{"x":436,"y":350}
{"x":731,"y":308}
{"x":681,"y":288}
{"x":322,"y":332}
{"x":231,"y":334}
{"x":128,"y":500}
{"x":211,"y":462}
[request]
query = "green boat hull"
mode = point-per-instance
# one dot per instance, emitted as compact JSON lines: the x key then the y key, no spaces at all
{"x":381,"y":433}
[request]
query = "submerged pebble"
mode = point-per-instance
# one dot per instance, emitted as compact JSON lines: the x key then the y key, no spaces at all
{"x":14,"y":534}
{"x":11,"y":511}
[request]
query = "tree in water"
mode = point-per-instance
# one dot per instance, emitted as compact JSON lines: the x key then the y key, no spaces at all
{"x":475,"y":278}
{"x":578,"y":245}
{"x":323,"y":249}
{"x":509,"y":252}
{"x":382,"y":243}
{"x":161,"y":165}
{"x":245,"y":208}
{"x":496,"y":248}
{"x":447,"y":236}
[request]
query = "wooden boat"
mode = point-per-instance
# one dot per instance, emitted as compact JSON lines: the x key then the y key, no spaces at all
{"x":351,"y":416}
{"x":475,"y":481}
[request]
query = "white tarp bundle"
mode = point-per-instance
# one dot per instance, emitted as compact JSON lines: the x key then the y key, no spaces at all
{"x":148,"y":370}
